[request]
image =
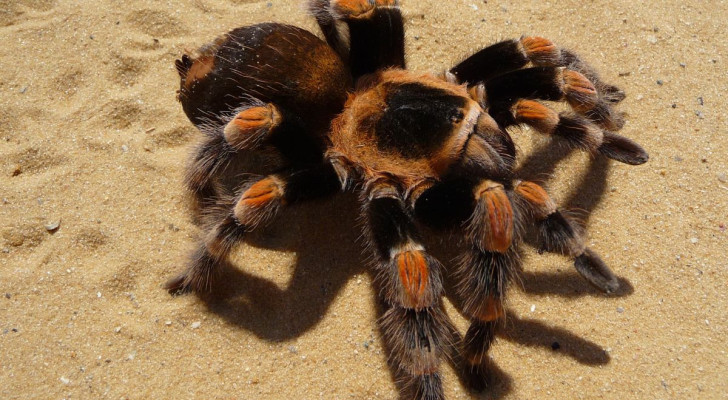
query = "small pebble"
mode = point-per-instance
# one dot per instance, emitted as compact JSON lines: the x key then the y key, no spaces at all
{"x":683,"y":65}
{"x":117,"y":329}
{"x":673,"y":105}
{"x":53,"y":226}
{"x":293,"y":349}
{"x":555,"y":346}
{"x":195,"y":324}
{"x":124,"y":148}
{"x":7,"y":295}
{"x":65,"y":380}
{"x":620,"y":310}
{"x":694,"y":240}
{"x":23,"y":89}
{"x":659,"y":82}
{"x":168,"y":323}
{"x":723,"y":178}
{"x":533,"y":307}
{"x":652,"y":39}
{"x":699,"y":114}
{"x":700,"y":100}
{"x":98,"y":294}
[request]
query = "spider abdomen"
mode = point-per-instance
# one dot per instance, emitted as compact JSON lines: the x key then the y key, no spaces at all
{"x":264,"y":63}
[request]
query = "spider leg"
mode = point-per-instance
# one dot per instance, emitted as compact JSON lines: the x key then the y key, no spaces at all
{"x":415,"y":327}
{"x":578,"y":132}
{"x":254,"y":125}
{"x":554,"y":84}
{"x":485,"y":269}
{"x":375,"y":32}
{"x":559,"y":234}
{"x":485,"y":209}
{"x":513,"y":54}
{"x":255,"y":207}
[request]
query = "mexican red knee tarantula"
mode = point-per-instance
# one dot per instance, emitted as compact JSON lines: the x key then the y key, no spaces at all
{"x":346,"y":115}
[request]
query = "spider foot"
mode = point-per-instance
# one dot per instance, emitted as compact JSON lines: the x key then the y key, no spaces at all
{"x":198,"y":276}
{"x":476,"y":344}
{"x":622,"y":149}
{"x":594,"y":270}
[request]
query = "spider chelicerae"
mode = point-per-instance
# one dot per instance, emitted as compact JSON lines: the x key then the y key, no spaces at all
{"x":344,"y":114}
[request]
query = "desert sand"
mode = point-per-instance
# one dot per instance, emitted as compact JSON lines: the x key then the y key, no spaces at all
{"x":94,"y":217}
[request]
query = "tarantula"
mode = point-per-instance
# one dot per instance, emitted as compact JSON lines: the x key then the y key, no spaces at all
{"x":345,"y":115}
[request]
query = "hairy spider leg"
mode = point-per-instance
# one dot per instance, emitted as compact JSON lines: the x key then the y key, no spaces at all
{"x":511,"y":101}
{"x":514,"y":54}
{"x":252,"y":127}
{"x":253,"y":208}
{"x":415,"y":327}
{"x":560,"y":234}
{"x":239,"y":103}
{"x":375,"y":32}
{"x":485,"y":270}
{"x":578,"y":132}
{"x":485,"y":210}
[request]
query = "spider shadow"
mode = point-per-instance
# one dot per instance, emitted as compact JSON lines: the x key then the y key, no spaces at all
{"x":321,"y":269}
{"x":588,"y":193}
{"x":581,"y":202}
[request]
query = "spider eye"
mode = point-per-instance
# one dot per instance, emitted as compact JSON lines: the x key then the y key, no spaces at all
{"x":457,"y":117}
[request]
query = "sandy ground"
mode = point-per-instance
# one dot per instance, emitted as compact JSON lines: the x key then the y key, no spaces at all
{"x":92,"y":138}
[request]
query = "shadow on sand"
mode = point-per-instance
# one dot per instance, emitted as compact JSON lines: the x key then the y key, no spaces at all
{"x":325,"y":237}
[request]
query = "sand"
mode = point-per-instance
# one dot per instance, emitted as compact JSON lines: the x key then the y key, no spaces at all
{"x":93,"y":140}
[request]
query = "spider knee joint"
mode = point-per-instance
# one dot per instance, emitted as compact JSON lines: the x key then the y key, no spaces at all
{"x":259,"y":201}
{"x":493,"y":220}
{"x":580,"y":93}
{"x":541,"y":51}
{"x":417,"y":281}
{"x":251,"y":126}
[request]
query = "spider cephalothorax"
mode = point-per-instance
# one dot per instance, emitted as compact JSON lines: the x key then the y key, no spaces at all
{"x":345,"y":114}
